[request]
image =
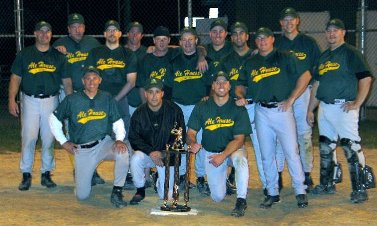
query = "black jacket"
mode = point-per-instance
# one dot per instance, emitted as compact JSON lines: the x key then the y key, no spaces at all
{"x":151,"y":131}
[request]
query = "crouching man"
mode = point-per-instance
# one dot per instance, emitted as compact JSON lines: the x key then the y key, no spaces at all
{"x":92,"y":115}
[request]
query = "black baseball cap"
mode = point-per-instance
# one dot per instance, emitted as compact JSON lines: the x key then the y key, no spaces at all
{"x":135,"y":24}
{"x":219,"y":22}
{"x":336,"y":23}
{"x":264,"y":31}
{"x":189,"y":30}
{"x":112,"y":23}
{"x":91,"y":69}
{"x":239,"y":25}
{"x":289,"y":11}
{"x":161,"y":31}
{"x":221,"y":75}
{"x":42,"y":24}
{"x":153,"y":83}
{"x":75,"y":18}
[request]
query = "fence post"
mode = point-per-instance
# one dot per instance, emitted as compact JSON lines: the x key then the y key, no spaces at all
{"x":363,"y":7}
{"x":19,"y":29}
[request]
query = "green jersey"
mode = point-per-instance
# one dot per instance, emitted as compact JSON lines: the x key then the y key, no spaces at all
{"x":41,"y":72}
{"x":113,"y":65}
{"x":339,"y":72}
{"x":219,"y":123}
{"x":134,"y":96}
{"x":215,"y":56}
{"x":89,"y":119}
{"x":77,"y":52}
{"x":271,"y":78}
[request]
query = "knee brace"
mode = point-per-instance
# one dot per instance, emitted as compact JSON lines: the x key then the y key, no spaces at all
{"x":326,"y":147}
{"x":352,"y":150}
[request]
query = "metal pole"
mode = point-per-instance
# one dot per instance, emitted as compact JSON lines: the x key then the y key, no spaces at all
{"x":363,"y":7}
{"x":189,"y":12}
{"x":19,"y":30}
{"x":179,"y":16}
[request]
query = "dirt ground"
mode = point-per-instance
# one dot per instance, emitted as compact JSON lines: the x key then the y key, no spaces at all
{"x":58,"y":206}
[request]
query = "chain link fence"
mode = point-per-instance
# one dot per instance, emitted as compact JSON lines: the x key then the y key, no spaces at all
{"x":171,"y":13}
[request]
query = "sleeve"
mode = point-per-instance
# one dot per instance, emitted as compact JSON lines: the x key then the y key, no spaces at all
{"x":63,"y":111}
{"x":65,"y":67}
{"x":360,"y":66}
{"x":195,"y":118}
{"x":242,"y":124}
{"x":135,"y":135}
{"x":119,"y":130}
{"x":114,"y":114}
{"x":168,"y":79}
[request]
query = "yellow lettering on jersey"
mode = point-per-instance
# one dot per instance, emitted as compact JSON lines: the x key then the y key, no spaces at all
{"x":218,"y":122}
{"x":328,"y":66}
{"x":40,"y":66}
{"x":84,"y":117}
{"x":76,"y":57}
{"x":300,"y":56}
{"x":234,"y":74}
{"x":158,"y":74}
{"x":216,"y":63}
{"x":187,"y":75}
{"x":264,"y":72}
{"x":110,"y":63}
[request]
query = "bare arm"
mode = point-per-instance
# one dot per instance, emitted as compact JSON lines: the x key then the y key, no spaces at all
{"x":191,"y":140}
{"x":241,"y":93}
{"x":202,"y":62}
{"x":232,"y":146}
{"x":142,"y":95}
{"x":131,"y":80}
{"x":301,"y":84}
{"x":362,"y":93}
{"x":313,"y":103}
{"x":14,"y":86}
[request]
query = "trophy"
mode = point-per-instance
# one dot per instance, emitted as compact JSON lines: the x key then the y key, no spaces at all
{"x":176,"y":148}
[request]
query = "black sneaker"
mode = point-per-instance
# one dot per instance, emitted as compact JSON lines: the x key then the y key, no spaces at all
{"x":25,"y":183}
{"x":117,"y":198}
{"x":308,"y":182}
{"x":269,"y":201}
{"x":359,"y":196}
{"x":129,"y":184}
{"x":202,"y":186}
{"x":46,"y":180}
{"x":96,"y":179}
{"x":230,"y":188}
{"x":265,"y":192}
{"x":154,"y":181}
{"x":239,"y":209}
{"x":323,"y":189}
{"x":302,"y":200}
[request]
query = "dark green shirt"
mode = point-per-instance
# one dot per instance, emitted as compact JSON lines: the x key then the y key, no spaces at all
{"x":89,"y":119}
{"x":271,"y":78}
{"x":76,"y":56}
{"x":219,"y":123}
{"x":41,"y":72}
{"x":339,"y":72}
{"x":134,"y":96}
{"x":114,"y":65}
{"x":214,"y":57}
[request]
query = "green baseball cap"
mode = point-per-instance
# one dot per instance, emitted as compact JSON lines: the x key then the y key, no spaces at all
{"x":42,"y":24}
{"x":188,"y":30}
{"x":239,"y":25}
{"x":90,"y":69}
{"x":264,"y":31}
{"x":75,"y":18}
{"x":219,"y":22}
{"x":135,"y":24}
{"x":112,"y":23}
{"x":153,"y":83}
{"x":289,"y":11}
{"x":221,"y":75}
{"x":336,"y":23}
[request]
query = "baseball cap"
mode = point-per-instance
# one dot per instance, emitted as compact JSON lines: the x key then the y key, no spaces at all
{"x":289,"y":11}
{"x":90,"y":69}
{"x":153,"y":82}
{"x":336,"y":23}
{"x":75,"y":18}
{"x":112,"y":23}
{"x":219,"y":22}
{"x":239,"y":25}
{"x":220,"y":76}
{"x":161,"y":31}
{"x":188,"y":30}
{"x":135,"y":24}
{"x":264,"y":31}
{"x":42,"y":24}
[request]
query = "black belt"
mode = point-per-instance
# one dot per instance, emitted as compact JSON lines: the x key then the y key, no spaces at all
{"x":40,"y":96}
{"x":269,"y":105}
{"x":92,"y":144}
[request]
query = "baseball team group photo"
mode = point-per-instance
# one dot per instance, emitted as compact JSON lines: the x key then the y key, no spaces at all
{"x":252,"y":126}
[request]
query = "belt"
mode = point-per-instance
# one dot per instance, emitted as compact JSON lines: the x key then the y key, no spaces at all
{"x":40,"y":96}
{"x":336,"y":101}
{"x":91,"y":144}
{"x":269,"y":104}
{"x":249,"y":101}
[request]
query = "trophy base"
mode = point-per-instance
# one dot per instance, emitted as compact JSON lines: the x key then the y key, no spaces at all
{"x":177,"y":208}
{"x":158,"y":212}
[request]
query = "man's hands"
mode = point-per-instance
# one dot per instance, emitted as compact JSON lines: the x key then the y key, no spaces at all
{"x":13,"y":108}
{"x":61,"y":49}
{"x":217,"y":159}
{"x":156,"y":158}
{"x":120,"y":146}
{"x":70,"y":147}
{"x":350,"y":105}
{"x":194,"y":148}
{"x":286,"y":104}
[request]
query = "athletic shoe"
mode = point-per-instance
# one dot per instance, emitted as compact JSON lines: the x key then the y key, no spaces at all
{"x":302,"y":200}
{"x":323,"y":189}
{"x":239,"y":209}
{"x":96,"y":179}
{"x":269,"y":201}
{"x":25,"y":183}
{"x":230,"y":188}
{"x":308,"y":182}
{"x":117,"y":198}
{"x":129,"y":184}
{"x":202,"y":186}
{"x":46,"y":180}
{"x":359,"y":196}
